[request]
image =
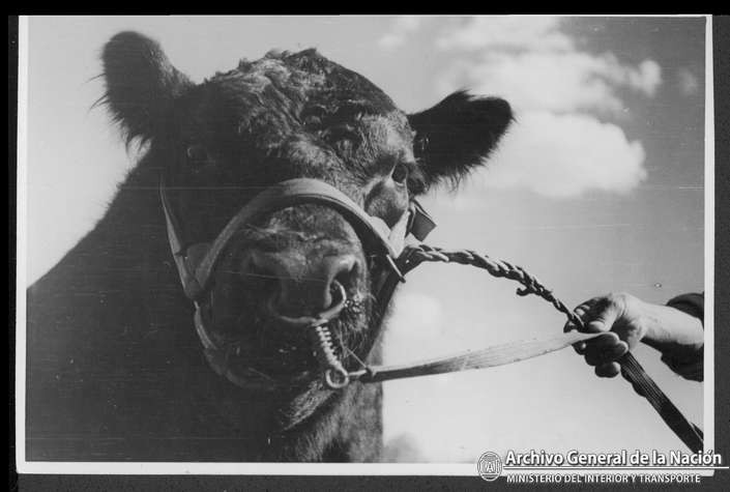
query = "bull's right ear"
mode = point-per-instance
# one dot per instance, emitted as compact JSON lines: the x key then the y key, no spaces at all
{"x":141,"y":84}
{"x":458,"y":134}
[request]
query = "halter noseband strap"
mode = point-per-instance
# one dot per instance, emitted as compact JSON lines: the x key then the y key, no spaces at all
{"x":196,"y":262}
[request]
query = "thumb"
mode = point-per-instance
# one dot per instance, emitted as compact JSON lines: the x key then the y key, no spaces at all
{"x":604,"y":319}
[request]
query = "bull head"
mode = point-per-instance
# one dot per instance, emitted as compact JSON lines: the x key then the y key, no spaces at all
{"x":286,"y":116}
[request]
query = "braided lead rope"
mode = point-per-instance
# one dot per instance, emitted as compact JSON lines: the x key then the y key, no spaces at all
{"x":630,"y":367}
{"x":497,"y":268}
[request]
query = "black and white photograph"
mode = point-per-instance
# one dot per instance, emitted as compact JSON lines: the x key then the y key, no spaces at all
{"x":391,"y":245}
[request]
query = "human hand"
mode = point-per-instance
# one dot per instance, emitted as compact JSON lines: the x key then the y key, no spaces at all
{"x":622,"y":317}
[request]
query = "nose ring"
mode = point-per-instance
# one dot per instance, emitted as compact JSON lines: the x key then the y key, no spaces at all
{"x":309,"y":321}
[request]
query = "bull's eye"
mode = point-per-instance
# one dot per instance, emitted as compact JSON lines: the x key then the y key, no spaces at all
{"x":400,"y":173}
{"x":197,"y":154}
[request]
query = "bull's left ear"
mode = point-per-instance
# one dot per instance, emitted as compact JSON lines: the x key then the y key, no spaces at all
{"x":457,"y":134}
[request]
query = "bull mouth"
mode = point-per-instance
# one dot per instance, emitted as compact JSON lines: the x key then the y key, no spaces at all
{"x":275,"y":364}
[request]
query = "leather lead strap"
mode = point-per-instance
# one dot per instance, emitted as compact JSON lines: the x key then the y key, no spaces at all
{"x":497,"y":355}
{"x":685,"y":430}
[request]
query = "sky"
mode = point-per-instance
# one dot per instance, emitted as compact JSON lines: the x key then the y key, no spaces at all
{"x":597,"y":187}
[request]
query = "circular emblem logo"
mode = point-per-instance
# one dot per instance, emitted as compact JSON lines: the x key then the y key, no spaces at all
{"x":489,"y":466}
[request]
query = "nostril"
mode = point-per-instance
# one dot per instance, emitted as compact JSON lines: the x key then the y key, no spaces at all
{"x":346,"y":272}
{"x":292,"y":284}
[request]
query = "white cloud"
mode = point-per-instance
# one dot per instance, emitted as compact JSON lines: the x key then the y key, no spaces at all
{"x":415,"y":328}
{"x":421,"y":315}
{"x":555,"y":81}
{"x":688,"y":83}
{"x":511,"y":46}
{"x":566,"y":155}
{"x":559,"y":147}
{"x":403,"y":448}
{"x":646,"y":79}
{"x":402,"y":27}
{"x":520,"y":33}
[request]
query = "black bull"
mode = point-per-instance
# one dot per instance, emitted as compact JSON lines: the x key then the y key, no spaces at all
{"x":115,"y":370}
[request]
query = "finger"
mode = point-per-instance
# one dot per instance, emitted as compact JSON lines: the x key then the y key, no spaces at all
{"x":602,"y":348}
{"x":570,"y":325}
{"x":601,"y":342}
{"x":606,"y":339}
{"x":608,"y":370}
{"x":580,"y":311}
{"x":592,"y":358}
{"x":603,"y":319}
{"x":585,"y":307}
{"x":596,"y":355}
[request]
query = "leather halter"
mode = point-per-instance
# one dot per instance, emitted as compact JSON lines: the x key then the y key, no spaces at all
{"x":196,"y":262}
